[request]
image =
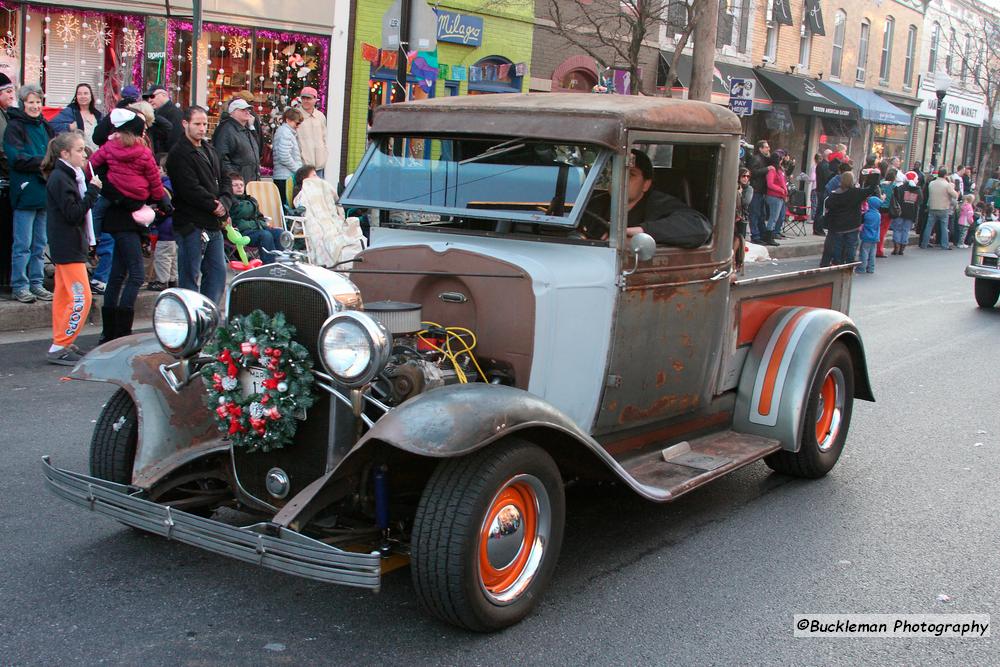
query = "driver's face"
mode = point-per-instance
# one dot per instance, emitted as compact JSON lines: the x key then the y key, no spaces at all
{"x":638,"y":185}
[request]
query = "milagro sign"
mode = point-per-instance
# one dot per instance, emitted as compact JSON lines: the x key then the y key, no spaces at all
{"x":956,"y":109}
{"x":459,"y":28}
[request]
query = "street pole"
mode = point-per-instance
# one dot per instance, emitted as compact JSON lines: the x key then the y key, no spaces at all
{"x":404,"y":45}
{"x":195,"y":39}
{"x":938,"y":129}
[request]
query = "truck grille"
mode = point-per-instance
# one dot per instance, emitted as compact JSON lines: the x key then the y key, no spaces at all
{"x":989,"y":261}
{"x":305,"y":459}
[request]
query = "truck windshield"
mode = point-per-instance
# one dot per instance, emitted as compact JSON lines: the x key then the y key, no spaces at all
{"x":447,"y":179}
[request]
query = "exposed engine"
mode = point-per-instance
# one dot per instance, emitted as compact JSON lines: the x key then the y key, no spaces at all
{"x":425,"y":355}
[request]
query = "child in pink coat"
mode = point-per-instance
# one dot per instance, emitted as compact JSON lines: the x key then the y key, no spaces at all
{"x":132,"y":169}
{"x":965,"y":217}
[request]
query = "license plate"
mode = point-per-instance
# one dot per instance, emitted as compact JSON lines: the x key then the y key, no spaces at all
{"x":252,"y":381}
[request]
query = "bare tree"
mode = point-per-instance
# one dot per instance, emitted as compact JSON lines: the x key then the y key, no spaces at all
{"x":974,"y":48}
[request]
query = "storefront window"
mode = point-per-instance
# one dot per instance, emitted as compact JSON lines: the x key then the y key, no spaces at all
{"x":890,"y":141}
{"x":578,"y":81}
{"x":10,"y":47}
{"x":494,"y":74}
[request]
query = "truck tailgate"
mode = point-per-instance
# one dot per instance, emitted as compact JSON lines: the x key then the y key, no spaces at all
{"x":756,"y":296}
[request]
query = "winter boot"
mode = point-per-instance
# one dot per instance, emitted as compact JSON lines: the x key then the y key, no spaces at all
{"x":109,"y":319}
{"x":768,"y":237}
{"x":125,"y":317}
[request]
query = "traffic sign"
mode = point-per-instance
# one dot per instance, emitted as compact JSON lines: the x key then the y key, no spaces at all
{"x":741,"y":96}
{"x":423,"y":26}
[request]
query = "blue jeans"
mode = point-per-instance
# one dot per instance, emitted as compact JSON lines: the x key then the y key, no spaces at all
{"x":27,"y":257}
{"x":758,"y":215}
{"x":105,"y":242}
{"x":900,"y":230}
{"x":867,"y":257}
{"x":267,"y":240}
{"x":843,"y":246}
{"x":775,"y":205}
{"x":940,"y":218}
{"x":202,"y":265}
{"x":127,"y":271}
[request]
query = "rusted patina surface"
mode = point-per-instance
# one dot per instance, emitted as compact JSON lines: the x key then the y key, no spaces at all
{"x":174,"y":428}
{"x":572,"y":117}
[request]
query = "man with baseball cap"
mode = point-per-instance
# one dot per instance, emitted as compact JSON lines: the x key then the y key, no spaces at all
{"x":236,"y":143}
{"x":312,"y":131}
{"x":164,"y":137}
{"x":7,"y":95}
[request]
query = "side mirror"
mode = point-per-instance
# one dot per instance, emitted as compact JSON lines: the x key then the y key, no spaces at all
{"x":643,"y":247}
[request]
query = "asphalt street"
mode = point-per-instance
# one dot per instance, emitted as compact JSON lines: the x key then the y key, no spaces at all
{"x":906,"y":523}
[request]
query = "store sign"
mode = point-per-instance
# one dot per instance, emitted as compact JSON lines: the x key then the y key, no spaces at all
{"x":741,"y":96}
{"x":459,"y":28}
{"x":956,"y":109}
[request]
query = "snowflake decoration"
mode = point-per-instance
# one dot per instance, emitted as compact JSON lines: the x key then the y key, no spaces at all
{"x":98,"y":35}
{"x":202,"y":52}
{"x":9,"y":45}
{"x":239,"y":46}
{"x":131,"y":44}
{"x":68,"y":27}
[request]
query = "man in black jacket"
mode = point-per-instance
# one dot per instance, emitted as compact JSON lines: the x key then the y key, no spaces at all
{"x":201,"y":200}
{"x":824,"y":173}
{"x":759,"y":163}
{"x":664,"y":217}
{"x":236,"y":143}
{"x":165,"y":135}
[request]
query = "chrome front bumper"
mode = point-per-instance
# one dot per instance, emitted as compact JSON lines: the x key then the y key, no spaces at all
{"x":987,"y":272}
{"x":263,"y":544}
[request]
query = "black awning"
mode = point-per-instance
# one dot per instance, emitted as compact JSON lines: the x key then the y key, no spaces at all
{"x":808,"y":96}
{"x":781,"y":12}
{"x":780,"y":119}
{"x":722,"y":76}
{"x":814,"y":18}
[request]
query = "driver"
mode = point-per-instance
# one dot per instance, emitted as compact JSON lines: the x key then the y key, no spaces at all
{"x":664,"y":217}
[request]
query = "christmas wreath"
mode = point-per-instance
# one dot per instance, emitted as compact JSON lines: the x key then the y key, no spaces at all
{"x":257,"y":351}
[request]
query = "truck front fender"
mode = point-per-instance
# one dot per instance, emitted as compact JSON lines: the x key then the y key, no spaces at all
{"x":781,"y":368}
{"x":174,"y":428}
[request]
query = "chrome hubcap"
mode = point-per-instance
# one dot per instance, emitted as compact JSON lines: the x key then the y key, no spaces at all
{"x":506,"y":537}
{"x":830,"y":408}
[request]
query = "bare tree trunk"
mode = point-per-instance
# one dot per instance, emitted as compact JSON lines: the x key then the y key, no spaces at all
{"x":705,"y":18}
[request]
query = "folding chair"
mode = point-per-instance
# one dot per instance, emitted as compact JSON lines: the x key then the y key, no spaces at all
{"x":797,"y":214}
{"x":266,"y":194}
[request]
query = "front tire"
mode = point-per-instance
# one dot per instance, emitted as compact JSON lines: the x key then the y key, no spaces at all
{"x":987,"y":292}
{"x":112,"y":447}
{"x":828,"y":407}
{"x":487,"y":535}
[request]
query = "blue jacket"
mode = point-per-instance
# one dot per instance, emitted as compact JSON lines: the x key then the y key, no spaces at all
{"x":70,"y":114}
{"x":871,"y":220}
{"x":286,"y":153}
{"x":25,"y":143}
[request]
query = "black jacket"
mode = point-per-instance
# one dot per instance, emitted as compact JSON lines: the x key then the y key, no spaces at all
{"x":167,"y":131}
{"x":823,"y":176}
{"x":199,"y":181}
{"x":238,"y":149}
{"x":843,"y":209}
{"x":670,"y":221}
{"x":910,"y":199}
{"x":66,"y":216}
{"x":758,"y":173}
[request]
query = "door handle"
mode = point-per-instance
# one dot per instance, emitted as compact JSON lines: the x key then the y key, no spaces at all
{"x":720,"y":274}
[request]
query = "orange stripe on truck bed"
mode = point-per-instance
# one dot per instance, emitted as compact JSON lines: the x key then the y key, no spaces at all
{"x":774,"y":363}
{"x":754,"y":312}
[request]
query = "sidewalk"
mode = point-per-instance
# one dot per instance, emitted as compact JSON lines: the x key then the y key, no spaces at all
{"x":34,"y":320}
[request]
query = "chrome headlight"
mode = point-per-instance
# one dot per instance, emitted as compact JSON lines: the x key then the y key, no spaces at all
{"x":184,"y":321}
{"x":354,"y":347}
{"x":986,"y":234}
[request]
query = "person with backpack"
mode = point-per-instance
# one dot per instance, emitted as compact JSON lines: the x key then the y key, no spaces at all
{"x":904,"y":208}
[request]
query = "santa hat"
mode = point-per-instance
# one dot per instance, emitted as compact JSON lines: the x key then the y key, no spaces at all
{"x":911,"y":176}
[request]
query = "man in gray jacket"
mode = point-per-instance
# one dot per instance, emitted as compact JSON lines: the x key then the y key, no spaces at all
{"x":941,"y":199}
{"x":236,"y":144}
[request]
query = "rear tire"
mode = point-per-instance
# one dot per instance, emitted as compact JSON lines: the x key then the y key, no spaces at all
{"x":112,"y":448}
{"x":828,"y":407}
{"x":987,"y":292}
{"x":487,"y":535}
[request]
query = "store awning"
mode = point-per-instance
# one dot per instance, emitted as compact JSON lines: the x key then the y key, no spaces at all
{"x":873,"y":107}
{"x":721,"y":77}
{"x":808,"y":96}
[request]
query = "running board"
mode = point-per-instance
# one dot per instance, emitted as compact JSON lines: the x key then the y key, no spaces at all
{"x":685,"y":466}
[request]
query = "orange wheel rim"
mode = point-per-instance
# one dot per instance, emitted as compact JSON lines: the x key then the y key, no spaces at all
{"x":518,"y":504}
{"x":828,"y":397}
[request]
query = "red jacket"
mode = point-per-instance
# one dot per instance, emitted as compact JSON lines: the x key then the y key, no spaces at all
{"x":131,"y":170}
{"x":777,"y":186}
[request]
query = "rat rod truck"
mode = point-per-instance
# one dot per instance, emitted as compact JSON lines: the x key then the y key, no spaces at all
{"x":498,"y":340}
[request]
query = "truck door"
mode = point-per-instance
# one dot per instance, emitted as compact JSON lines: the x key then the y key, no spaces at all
{"x":672,"y":310}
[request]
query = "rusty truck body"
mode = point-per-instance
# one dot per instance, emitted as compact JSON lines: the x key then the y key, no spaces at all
{"x":589,"y":354}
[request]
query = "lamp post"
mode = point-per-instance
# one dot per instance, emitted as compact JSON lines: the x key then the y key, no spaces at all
{"x":942,"y":82}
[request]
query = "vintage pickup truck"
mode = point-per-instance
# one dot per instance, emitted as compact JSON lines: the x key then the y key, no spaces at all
{"x":502,"y":337}
{"x":983,"y":266}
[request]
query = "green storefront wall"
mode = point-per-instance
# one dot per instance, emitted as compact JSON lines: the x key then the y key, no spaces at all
{"x":508,"y":29}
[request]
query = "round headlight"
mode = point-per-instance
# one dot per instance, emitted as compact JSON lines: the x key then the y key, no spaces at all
{"x":354,"y":347}
{"x":986,"y":234}
{"x":184,"y":321}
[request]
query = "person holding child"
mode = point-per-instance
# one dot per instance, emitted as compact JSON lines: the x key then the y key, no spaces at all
{"x":133,"y":180}
{"x":245,"y":215}
{"x":69,"y":198}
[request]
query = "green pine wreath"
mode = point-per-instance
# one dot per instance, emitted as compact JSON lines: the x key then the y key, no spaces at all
{"x":261,"y":421}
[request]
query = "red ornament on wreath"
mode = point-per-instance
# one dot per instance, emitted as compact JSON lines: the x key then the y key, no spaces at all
{"x":255,"y":397}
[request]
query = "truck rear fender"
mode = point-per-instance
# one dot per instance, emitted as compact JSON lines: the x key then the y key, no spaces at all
{"x":175,"y":429}
{"x":781,"y":367}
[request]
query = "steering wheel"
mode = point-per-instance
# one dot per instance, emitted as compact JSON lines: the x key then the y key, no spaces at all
{"x":593,"y":227}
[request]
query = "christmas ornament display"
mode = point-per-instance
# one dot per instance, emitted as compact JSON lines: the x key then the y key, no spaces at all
{"x":67,"y":27}
{"x":257,"y":351}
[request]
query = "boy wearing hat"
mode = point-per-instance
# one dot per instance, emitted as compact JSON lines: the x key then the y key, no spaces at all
{"x":312,"y":131}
